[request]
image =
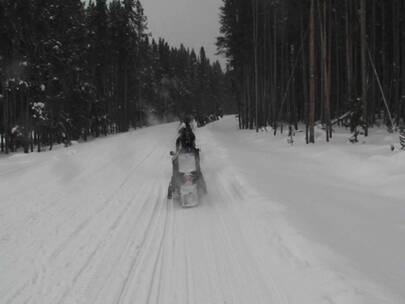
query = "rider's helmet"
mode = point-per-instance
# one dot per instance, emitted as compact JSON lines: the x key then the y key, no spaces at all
{"x":187,"y":121}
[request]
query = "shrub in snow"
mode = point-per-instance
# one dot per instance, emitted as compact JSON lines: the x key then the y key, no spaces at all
{"x":38,"y":109}
{"x":23,"y":83}
{"x":14,"y":130}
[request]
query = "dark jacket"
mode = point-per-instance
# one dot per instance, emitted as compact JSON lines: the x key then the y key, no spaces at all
{"x":186,"y":140}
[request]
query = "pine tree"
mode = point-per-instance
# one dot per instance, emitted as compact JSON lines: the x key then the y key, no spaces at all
{"x":70,"y":71}
{"x":329,"y":45}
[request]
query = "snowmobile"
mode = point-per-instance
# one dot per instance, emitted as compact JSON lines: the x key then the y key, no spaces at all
{"x":187,"y":184}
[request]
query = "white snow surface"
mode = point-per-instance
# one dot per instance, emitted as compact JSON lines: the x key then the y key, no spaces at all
{"x":301,"y":224}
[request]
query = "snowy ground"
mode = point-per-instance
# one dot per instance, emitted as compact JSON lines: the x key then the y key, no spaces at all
{"x":281,"y":224}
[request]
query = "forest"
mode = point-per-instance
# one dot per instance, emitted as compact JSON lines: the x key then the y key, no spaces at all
{"x":71,"y":70}
{"x":319,"y":62}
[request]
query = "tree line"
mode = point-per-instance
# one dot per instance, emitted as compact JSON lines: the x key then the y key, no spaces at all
{"x":316,"y":61}
{"x":70,"y":70}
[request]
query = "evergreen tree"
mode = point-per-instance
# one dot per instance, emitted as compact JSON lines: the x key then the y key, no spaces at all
{"x":70,"y":71}
{"x":311,"y":61}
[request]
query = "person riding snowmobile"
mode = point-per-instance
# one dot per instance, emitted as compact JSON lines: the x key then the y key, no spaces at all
{"x":185,"y":143}
{"x":186,"y":140}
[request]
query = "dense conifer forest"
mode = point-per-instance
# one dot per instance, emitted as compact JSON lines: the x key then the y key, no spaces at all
{"x":70,"y":70}
{"x":316,"y":61}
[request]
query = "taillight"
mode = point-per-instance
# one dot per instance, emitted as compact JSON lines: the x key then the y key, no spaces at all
{"x":188,"y":178}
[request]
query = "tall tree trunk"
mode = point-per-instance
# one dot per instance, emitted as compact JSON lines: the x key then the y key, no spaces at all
{"x":402,"y":107}
{"x":26,"y":119}
{"x":256,"y":63}
{"x":372,"y":98}
{"x":311,"y":117}
{"x":396,"y":60}
{"x":305,"y":79}
{"x":275,"y":70}
{"x":364,"y":64}
{"x":349,"y":55}
{"x":326,"y":67}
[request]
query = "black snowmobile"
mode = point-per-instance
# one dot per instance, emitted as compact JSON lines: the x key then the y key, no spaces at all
{"x":187,"y":185}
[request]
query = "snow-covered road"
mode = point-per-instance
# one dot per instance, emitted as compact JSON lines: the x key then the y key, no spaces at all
{"x":91,"y":224}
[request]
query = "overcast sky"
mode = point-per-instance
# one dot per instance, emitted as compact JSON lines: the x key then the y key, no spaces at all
{"x":191,"y":22}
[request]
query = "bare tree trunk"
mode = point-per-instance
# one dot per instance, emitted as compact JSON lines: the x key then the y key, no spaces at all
{"x":304,"y":79}
{"x":325,"y":67}
{"x":25,"y":98}
{"x":337,"y":66}
{"x":373,"y":106}
{"x":311,"y":117}
{"x":402,"y":107}
{"x":275,"y":70}
{"x":384,"y":63}
{"x":349,"y":55}
{"x":396,"y":60}
{"x":6,"y":121}
{"x":255,"y":42}
{"x":328,"y":76}
{"x":364,"y":64}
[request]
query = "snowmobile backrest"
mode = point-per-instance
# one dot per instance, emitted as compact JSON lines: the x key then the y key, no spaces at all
{"x":402,"y":139}
{"x":187,"y":162}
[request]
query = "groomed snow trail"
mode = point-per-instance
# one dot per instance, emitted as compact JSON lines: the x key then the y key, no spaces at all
{"x":91,"y":224}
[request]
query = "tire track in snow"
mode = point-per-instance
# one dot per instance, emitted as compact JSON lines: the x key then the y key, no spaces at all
{"x":87,"y":222}
{"x":82,"y":177}
{"x":134,"y":247}
{"x":288,"y":258}
{"x":140,"y":240}
{"x":100,"y":244}
{"x":226,"y":194}
{"x":123,"y":247}
{"x":147,"y":233}
{"x":104,"y":205}
{"x":241,"y":248}
{"x":156,"y":276}
{"x":149,"y":197}
{"x":143,"y":247}
{"x":102,"y":240}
